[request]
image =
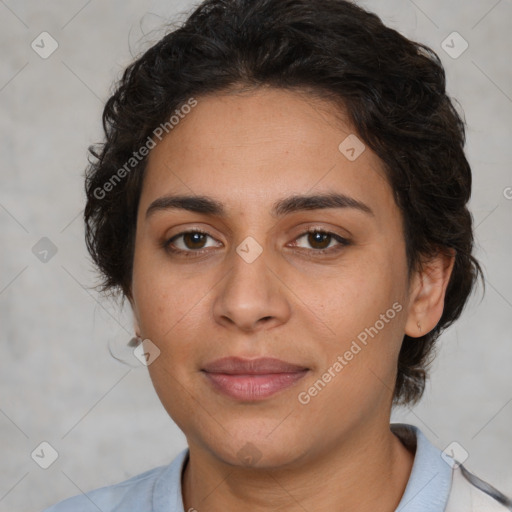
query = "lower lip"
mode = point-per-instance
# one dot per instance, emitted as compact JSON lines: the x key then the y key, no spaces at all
{"x":253,"y":387}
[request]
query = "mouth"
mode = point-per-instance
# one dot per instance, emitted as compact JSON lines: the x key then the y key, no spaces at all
{"x":252,"y":379}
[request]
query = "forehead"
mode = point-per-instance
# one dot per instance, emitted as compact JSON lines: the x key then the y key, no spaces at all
{"x":248,"y":148}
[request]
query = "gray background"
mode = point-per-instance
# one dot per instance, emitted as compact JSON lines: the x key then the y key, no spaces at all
{"x":59,"y":382}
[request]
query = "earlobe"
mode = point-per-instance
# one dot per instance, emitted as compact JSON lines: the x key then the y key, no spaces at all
{"x":428,"y":293}
{"x":135,"y":341}
{"x":136,"y":327}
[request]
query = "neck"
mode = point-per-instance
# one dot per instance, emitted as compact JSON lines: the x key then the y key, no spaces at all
{"x":367,"y":471}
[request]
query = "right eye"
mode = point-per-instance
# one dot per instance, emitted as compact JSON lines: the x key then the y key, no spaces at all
{"x":188,"y":242}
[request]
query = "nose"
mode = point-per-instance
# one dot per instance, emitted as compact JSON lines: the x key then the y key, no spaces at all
{"x":252,"y":296}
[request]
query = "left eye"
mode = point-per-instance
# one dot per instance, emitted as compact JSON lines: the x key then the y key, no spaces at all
{"x":321,"y":240}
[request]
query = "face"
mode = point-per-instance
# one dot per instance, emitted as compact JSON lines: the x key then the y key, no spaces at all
{"x":242,"y":277}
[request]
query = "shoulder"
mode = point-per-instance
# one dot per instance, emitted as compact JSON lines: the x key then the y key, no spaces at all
{"x":136,"y":494}
{"x":439,"y":482}
{"x":138,"y":489}
{"x":471,"y":493}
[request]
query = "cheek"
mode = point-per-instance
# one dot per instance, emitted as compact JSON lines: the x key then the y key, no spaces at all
{"x":364,"y":307}
{"x":175,"y":390}
{"x":167,"y":310}
{"x":356,"y":294}
{"x":163,"y":295}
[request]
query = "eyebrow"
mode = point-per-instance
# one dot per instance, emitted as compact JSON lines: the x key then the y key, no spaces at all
{"x":296,"y":203}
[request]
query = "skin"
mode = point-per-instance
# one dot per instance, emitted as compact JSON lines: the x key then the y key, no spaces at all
{"x":292,"y":302}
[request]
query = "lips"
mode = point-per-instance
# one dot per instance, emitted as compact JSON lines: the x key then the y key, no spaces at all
{"x":252,"y":379}
{"x":239,"y":366}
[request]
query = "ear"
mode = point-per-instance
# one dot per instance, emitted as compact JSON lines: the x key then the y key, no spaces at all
{"x":427,"y":292}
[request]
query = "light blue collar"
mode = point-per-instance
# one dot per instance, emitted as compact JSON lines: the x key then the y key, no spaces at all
{"x":430,"y":481}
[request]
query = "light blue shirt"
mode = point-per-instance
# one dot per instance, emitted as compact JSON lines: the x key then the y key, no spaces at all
{"x":159,"y":489}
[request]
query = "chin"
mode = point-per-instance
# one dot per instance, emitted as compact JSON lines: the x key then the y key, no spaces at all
{"x":249,"y":447}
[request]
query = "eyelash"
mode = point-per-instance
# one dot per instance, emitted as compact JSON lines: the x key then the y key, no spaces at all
{"x":342,"y":242}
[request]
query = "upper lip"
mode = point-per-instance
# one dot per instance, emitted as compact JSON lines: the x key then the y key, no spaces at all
{"x":260,"y":366}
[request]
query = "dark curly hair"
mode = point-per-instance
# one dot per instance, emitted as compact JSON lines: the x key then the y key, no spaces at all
{"x":393,"y":90}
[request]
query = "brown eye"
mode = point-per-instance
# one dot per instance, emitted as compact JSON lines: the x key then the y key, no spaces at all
{"x":321,"y":241}
{"x":194,"y":240}
{"x":188,"y":242}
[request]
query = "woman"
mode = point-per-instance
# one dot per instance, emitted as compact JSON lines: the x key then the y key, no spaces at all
{"x":282,"y":197}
